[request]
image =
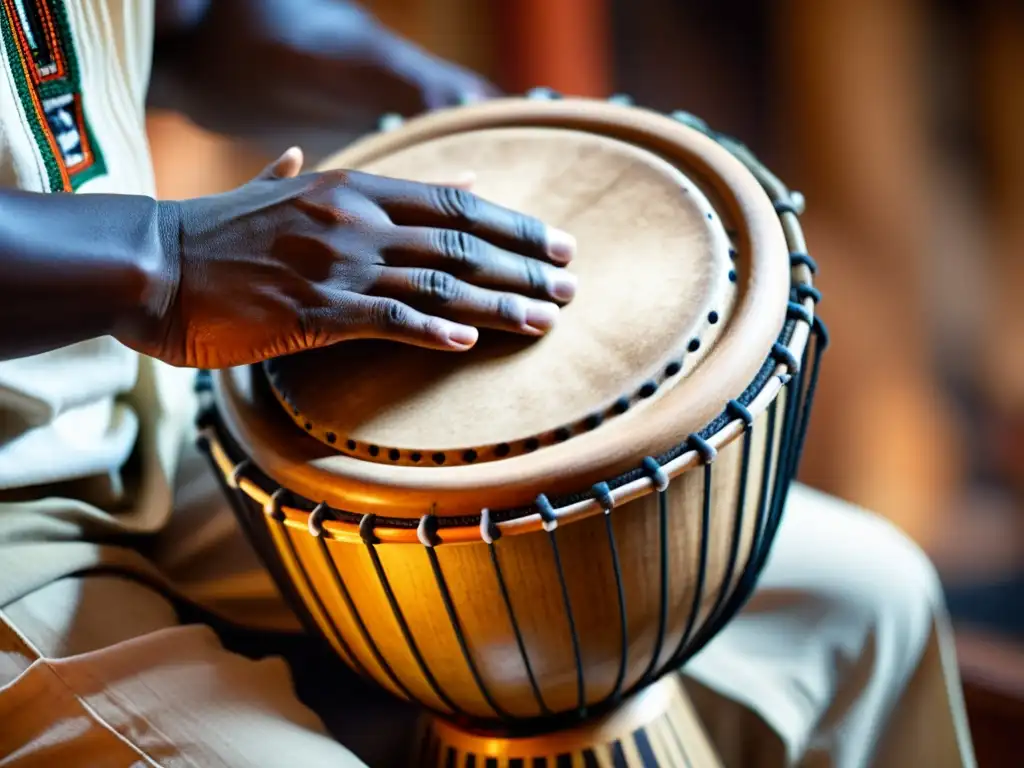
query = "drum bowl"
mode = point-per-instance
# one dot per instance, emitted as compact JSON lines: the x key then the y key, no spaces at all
{"x":526,"y":601}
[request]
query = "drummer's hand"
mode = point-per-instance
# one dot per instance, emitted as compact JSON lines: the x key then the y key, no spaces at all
{"x":289,"y":262}
{"x":249,"y":67}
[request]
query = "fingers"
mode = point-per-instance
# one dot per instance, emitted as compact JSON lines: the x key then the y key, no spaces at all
{"x":288,"y":165}
{"x":365,"y":317}
{"x":442,"y":294}
{"x":480,"y":263}
{"x":426,"y":205}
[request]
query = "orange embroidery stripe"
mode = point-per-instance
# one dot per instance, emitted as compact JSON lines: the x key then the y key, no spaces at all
{"x":27,"y":68}
{"x":51,"y":34}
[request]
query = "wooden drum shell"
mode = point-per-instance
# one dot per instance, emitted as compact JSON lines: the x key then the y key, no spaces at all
{"x":359,"y":610}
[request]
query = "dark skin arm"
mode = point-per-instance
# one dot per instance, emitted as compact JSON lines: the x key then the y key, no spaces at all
{"x":285,"y":263}
{"x":320,"y":72}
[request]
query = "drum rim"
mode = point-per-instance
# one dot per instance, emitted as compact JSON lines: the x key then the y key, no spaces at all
{"x":709,"y":317}
{"x":720,"y":429}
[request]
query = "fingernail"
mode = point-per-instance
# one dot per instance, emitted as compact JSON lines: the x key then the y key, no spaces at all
{"x":561,"y":246}
{"x":540,"y":316}
{"x":464,"y":336}
{"x":563,"y":285}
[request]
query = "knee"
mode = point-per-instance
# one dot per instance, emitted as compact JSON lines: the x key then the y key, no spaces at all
{"x":906,"y":594}
{"x":868,"y":570}
{"x":890,"y":583}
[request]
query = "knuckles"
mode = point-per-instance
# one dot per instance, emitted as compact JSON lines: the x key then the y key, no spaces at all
{"x":436,"y":285}
{"x":510,"y":309}
{"x":531,"y":232}
{"x":459,"y":248}
{"x":389,"y":315}
{"x":536,"y":276}
{"x":458,"y":204}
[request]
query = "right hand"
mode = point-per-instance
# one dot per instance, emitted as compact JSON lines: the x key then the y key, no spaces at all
{"x":288,"y":263}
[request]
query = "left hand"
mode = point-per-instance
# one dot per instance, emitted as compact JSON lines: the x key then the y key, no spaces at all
{"x":294,"y":66}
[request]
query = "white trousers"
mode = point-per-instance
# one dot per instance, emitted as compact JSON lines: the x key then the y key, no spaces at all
{"x":843,"y":657}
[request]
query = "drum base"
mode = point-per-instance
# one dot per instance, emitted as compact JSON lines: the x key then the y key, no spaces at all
{"x":656,"y":728}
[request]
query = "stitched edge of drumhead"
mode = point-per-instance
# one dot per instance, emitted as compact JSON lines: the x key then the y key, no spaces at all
{"x":669,"y":374}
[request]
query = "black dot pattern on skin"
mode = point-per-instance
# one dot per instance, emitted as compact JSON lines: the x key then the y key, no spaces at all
{"x":593,"y":421}
{"x":621,"y":405}
{"x":673,"y":368}
{"x":532,"y":444}
{"x":415,"y":457}
{"x":374,"y":450}
{"x":732,"y":254}
{"x":309,"y":427}
{"x":502,"y":450}
{"x":331,"y":438}
{"x":712,"y":317}
{"x":394,"y":454}
{"x":694,"y":345}
{"x":350,"y":444}
{"x":562,"y":434}
{"x":732,"y":275}
{"x":439,"y":458}
{"x":469,"y":456}
{"x":648,"y":389}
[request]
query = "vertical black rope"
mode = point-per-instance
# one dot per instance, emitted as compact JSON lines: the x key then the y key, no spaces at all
{"x":428,"y":537}
{"x":783,"y":474}
{"x":547,"y":514}
{"x":518,"y":633}
{"x":366,"y":531}
{"x":820,"y":345}
{"x":737,"y":410}
{"x":748,"y":579}
{"x":357,"y":619}
{"x":799,"y":397}
{"x":277,"y":516}
{"x":604,"y":497}
{"x":661,"y":483}
{"x":766,"y":477}
{"x":707,"y":455}
{"x":252,"y":520}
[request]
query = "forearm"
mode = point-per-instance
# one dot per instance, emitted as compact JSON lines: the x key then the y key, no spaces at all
{"x":75,"y":267}
{"x":249,"y":68}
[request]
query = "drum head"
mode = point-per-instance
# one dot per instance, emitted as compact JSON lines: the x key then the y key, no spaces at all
{"x":683,"y":285}
{"x":654,"y":292}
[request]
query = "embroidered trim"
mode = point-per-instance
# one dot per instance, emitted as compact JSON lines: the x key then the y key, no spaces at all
{"x":37,"y":35}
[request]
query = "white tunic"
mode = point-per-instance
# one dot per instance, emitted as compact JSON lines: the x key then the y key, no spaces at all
{"x":73,"y":414}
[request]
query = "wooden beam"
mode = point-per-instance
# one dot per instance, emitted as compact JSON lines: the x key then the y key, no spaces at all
{"x":560,"y":44}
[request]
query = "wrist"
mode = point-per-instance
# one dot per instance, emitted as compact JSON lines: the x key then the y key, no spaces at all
{"x":164,"y":274}
{"x":158,"y":274}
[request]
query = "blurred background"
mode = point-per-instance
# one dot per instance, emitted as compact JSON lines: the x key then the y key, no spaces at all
{"x":902,"y":122}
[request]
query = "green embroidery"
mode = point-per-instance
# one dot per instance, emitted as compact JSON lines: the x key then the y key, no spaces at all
{"x":56,"y":114}
{"x":35,"y":120}
{"x":98,"y":166}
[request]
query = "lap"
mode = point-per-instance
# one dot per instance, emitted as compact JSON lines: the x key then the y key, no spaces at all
{"x":846,"y":627}
{"x":170,"y":696}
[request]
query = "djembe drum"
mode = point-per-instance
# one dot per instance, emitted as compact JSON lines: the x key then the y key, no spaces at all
{"x":530,"y":538}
